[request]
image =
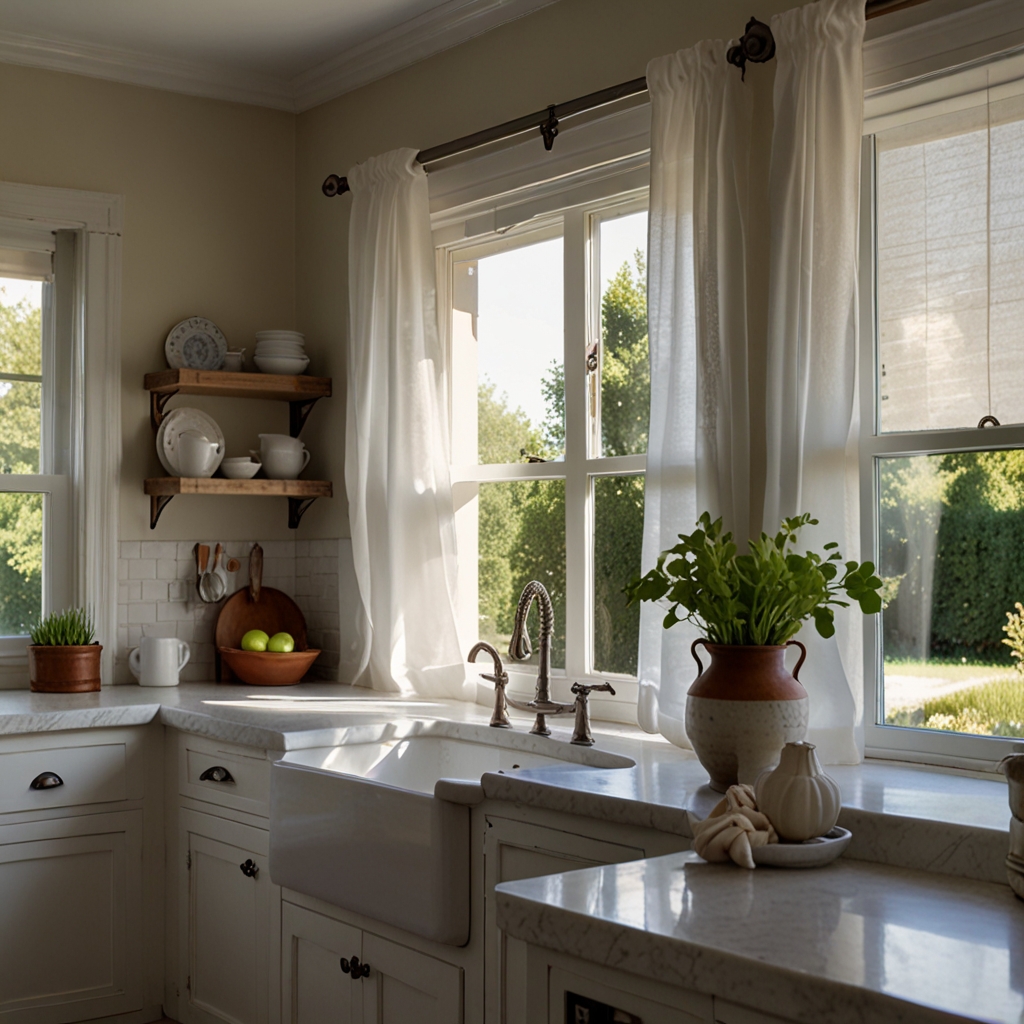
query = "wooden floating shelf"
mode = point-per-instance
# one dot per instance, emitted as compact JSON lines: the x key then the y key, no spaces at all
{"x":301,"y":392}
{"x":300,"y":493}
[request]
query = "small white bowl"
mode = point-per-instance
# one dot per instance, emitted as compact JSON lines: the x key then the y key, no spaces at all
{"x":288,"y":365}
{"x":240,"y":469}
{"x":279,"y":336}
{"x":298,"y":352}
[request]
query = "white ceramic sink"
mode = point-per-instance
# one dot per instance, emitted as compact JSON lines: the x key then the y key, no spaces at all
{"x":381,"y":827}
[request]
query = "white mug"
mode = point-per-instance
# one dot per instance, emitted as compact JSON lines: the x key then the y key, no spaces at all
{"x":159,"y":660}
{"x":198,"y":456}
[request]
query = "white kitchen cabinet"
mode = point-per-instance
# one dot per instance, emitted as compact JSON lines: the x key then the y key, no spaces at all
{"x":514,"y":850}
{"x":231,"y":912}
{"x":400,"y":985}
{"x":71,"y":899}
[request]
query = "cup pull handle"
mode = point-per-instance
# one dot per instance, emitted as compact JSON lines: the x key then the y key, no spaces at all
{"x":46,"y":780}
{"x":217,"y":773}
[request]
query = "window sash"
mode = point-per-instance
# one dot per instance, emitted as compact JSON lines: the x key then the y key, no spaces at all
{"x":887,"y":741}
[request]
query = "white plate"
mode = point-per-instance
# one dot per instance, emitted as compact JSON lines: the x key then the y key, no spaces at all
{"x":811,"y":854}
{"x":174,"y":424}
{"x":196,"y":343}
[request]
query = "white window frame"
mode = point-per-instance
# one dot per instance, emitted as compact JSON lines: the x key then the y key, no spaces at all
{"x":90,"y":491}
{"x":601,"y":168}
{"x":912,"y":55}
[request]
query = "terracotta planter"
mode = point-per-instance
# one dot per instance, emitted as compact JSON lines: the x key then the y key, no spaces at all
{"x":743,"y":709}
{"x":64,"y":669}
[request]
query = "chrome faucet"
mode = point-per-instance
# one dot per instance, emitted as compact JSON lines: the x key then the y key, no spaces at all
{"x":519,"y":649}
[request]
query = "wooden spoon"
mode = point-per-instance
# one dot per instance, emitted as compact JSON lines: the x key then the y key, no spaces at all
{"x":202,"y":558}
{"x":255,"y":572}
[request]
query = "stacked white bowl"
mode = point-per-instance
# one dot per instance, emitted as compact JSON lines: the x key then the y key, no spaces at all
{"x":280,"y":352}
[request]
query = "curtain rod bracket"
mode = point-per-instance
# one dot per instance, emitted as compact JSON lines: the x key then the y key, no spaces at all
{"x":757,"y":45}
{"x":549,"y":128}
{"x":334,"y":185}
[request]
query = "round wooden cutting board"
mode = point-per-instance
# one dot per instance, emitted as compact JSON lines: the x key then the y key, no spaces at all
{"x":274,"y":612}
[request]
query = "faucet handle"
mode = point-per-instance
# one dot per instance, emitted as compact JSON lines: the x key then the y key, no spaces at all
{"x":499,"y":676}
{"x":585,"y":689}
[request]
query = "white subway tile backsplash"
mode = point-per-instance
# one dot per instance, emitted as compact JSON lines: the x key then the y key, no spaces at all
{"x":158,"y":549}
{"x":154,"y":590}
{"x":140,"y":612}
{"x":166,"y":568}
{"x":142,"y":569}
{"x":129,"y":549}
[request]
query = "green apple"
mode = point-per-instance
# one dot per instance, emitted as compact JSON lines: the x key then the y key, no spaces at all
{"x":281,"y":643}
{"x":255,"y":640}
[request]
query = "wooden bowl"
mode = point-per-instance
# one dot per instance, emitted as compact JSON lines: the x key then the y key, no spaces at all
{"x":266,"y":668}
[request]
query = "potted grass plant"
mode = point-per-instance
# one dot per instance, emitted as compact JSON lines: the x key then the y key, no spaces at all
{"x":744,"y":708}
{"x":64,"y":656}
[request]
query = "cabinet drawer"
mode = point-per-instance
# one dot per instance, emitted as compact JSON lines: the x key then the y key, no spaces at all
{"x":235,"y":777}
{"x":88,"y":775}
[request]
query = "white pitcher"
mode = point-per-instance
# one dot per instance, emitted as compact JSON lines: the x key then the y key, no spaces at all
{"x":198,"y":456}
{"x":283,"y":457}
{"x":159,"y":660}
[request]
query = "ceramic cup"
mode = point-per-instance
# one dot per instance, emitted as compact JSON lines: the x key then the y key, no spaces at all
{"x":159,"y":660}
{"x":234,"y":362}
{"x":198,"y":456}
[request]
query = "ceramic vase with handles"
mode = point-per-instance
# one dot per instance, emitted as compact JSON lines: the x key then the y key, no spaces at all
{"x":801,"y":801}
{"x":743,"y":709}
{"x":159,"y":660}
{"x":198,"y":456}
{"x":283,"y":457}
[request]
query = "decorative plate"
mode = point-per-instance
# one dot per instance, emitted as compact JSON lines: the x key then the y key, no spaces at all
{"x":196,"y":343}
{"x":811,"y":854}
{"x":174,"y":424}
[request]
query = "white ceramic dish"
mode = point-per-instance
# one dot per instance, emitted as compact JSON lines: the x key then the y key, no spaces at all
{"x":810,"y":854}
{"x":296,"y":335}
{"x":280,"y":350}
{"x":281,"y":364}
{"x":196,"y":343}
{"x":245,"y":469}
{"x":175,"y":423}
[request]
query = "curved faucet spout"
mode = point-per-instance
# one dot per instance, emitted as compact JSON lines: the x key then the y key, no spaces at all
{"x":519,"y":649}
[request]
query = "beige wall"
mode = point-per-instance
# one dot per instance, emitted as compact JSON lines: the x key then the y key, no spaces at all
{"x":562,"y":51}
{"x":209,"y":230}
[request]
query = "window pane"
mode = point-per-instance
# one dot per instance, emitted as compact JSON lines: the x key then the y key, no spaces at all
{"x":507,"y":348}
{"x":20,"y":358}
{"x":624,"y":368}
{"x":951,"y":532}
{"x":951,"y":270}
{"x":521,"y":538}
{"x":618,"y":535}
{"x":21,"y":562}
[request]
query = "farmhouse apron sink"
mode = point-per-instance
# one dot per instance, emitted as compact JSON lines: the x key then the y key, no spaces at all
{"x":380,"y":826}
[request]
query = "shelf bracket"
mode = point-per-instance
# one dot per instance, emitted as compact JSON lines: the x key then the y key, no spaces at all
{"x":157,"y":504}
{"x":298,"y":413}
{"x":157,"y":401}
{"x":297,"y":508}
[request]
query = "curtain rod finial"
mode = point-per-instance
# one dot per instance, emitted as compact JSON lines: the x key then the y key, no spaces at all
{"x":334,"y":185}
{"x":756,"y":45}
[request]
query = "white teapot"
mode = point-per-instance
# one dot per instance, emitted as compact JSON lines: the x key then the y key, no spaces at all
{"x":198,"y":456}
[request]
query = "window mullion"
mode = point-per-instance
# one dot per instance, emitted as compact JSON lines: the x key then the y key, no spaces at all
{"x":577,"y":499}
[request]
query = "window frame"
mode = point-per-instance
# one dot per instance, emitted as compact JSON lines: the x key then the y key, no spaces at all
{"x":930,"y":746}
{"x":582,"y":325}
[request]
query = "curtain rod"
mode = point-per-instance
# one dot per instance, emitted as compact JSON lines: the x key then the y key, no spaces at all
{"x":757,"y":45}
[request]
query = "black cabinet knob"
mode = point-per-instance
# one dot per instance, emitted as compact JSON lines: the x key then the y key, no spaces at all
{"x":250,"y":869}
{"x":354,"y":968}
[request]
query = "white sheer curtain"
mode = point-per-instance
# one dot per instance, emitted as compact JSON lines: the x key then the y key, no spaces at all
{"x":698,"y":454}
{"x":812,"y":422}
{"x":396,"y":447}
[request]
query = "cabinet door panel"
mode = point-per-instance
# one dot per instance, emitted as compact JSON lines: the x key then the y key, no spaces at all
{"x":69,"y":945}
{"x":229,"y":917}
{"x":314,"y":990}
{"x":405,"y":986}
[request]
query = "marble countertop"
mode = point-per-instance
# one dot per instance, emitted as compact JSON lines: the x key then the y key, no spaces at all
{"x":851,"y":942}
{"x":904,"y":815}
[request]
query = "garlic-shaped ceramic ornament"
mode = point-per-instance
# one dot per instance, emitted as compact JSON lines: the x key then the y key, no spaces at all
{"x":800,"y":800}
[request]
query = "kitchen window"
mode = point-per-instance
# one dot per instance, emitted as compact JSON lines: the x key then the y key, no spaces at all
{"x":550,"y":389}
{"x":942,"y":460}
{"x":35,"y":425}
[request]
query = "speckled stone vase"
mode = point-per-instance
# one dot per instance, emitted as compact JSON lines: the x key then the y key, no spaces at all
{"x":743,"y":709}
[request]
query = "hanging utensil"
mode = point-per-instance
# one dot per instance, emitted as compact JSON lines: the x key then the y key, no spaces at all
{"x":255,"y":572}
{"x":213,"y":585}
{"x":202,"y":552}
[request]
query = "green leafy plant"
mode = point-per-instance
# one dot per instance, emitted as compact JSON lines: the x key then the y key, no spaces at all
{"x":72,"y":627}
{"x":759,"y":598}
{"x":1014,"y":630}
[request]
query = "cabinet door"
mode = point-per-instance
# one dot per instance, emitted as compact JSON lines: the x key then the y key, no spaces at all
{"x":232,"y":910}
{"x":71,"y":893}
{"x":514,"y":850}
{"x":314,"y":989}
{"x":405,"y":986}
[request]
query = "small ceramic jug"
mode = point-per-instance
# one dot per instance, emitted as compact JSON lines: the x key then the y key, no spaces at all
{"x":198,"y":456}
{"x":801,"y":801}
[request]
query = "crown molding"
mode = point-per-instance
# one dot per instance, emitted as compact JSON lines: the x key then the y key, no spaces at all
{"x":438,"y":29}
{"x":194,"y":78}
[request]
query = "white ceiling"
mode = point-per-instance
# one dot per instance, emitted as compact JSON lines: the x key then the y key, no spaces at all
{"x":282,"y":53}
